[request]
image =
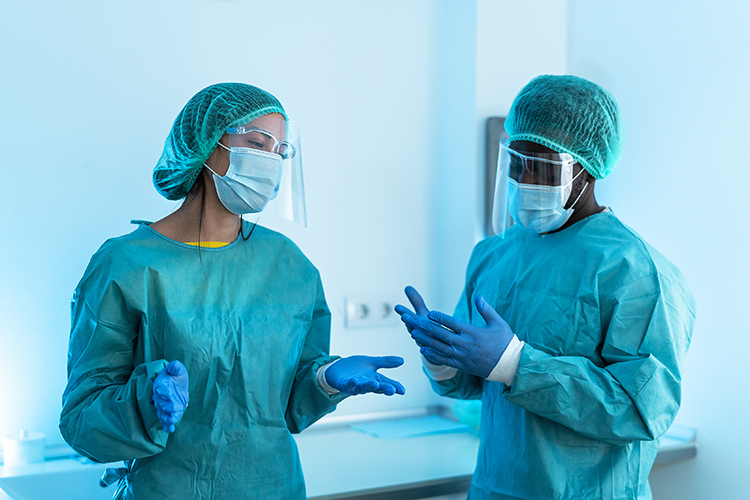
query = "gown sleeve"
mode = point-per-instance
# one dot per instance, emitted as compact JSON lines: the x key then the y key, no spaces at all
{"x":308,"y":401}
{"x":108,"y":414}
{"x":635,"y":395}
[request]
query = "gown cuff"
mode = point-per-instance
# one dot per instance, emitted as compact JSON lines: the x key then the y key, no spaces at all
{"x":321,"y":375}
{"x":438,"y":372}
{"x":507,"y":366}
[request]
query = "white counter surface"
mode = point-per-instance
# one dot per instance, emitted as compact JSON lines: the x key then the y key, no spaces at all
{"x":338,"y":461}
{"x":342,"y":463}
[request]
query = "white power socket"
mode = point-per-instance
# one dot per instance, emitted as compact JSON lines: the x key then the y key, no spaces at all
{"x":369,"y":312}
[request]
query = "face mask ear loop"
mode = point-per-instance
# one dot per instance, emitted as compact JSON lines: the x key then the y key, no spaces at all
{"x":579,"y":196}
{"x":240,"y":230}
{"x":210,"y":169}
{"x":574,"y":178}
{"x":240,"y":233}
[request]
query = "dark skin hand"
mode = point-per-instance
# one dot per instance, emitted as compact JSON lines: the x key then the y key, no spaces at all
{"x":587,"y":204}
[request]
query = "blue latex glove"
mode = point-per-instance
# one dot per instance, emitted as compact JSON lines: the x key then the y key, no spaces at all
{"x":171,"y":394}
{"x":448,"y":341}
{"x":359,"y":375}
{"x":419,"y":306}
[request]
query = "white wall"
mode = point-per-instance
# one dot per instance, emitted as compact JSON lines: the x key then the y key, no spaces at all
{"x":380,"y":90}
{"x":680,"y":72}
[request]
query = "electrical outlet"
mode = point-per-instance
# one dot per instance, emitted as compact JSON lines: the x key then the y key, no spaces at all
{"x":368,"y":312}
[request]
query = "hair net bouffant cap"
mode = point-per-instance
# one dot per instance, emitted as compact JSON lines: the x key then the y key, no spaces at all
{"x":198,"y":128}
{"x":569,"y":115}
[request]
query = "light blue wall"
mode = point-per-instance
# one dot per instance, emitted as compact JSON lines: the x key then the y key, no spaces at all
{"x":455,"y":155}
{"x":385,"y":93}
{"x":88,"y":94}
{"x":391,"y":97}
{"x":484,"y":58}
{"x":680,"y":72}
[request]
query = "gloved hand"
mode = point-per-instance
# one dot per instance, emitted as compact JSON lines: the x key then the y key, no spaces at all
{"x":448,"y":341}
{"x":171,"y":394}
{"x":419,"y":306}
{"x":358,"y":375}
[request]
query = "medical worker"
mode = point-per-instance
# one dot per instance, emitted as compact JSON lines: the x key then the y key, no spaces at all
{"x":200,"y":343}
{"x":572,"y":330}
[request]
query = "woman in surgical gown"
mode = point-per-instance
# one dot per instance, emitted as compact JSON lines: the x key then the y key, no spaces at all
{"x":238,"y":304}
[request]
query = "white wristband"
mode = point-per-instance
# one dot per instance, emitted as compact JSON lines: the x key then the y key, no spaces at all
{"x":321,"y":375}
{"x":507,"y":366}
{"x":438,"y":372}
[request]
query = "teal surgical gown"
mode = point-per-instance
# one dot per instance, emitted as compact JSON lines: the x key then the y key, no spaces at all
{"x":606,"y":322}
{"x":250,"y":323}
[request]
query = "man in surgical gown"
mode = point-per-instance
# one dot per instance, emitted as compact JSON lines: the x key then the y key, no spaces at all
{"x":577,"y":353}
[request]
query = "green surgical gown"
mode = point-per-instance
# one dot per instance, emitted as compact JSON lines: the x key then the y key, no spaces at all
{"x":606,"y":322}
{"x":250,"y":323}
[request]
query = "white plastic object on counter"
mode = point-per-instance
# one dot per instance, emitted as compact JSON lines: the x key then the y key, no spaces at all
{"x":24,"y":448}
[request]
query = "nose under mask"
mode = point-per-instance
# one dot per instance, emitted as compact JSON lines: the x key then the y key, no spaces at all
{"x":251,"y":181}
{"x":539,"y":209}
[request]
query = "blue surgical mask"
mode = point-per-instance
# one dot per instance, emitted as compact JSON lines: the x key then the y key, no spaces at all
{"x":251,"y":181}
{"x":539,"y":209}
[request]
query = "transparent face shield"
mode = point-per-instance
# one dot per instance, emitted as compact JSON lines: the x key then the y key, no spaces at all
{"x":532,"y":190}
{"x":289,"y":202}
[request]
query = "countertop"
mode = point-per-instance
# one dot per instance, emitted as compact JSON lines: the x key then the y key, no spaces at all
{"x":340,"y":462}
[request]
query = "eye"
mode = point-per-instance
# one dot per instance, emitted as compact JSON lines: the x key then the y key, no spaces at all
{"x":258,"y":140}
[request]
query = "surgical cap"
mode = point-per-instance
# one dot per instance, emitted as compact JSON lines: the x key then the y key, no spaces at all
{"x":198,"y":128}
{"x":569,"y":115}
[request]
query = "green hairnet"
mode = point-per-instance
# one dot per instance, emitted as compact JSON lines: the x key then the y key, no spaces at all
{"x":198,"y":128}
{"x":570,"y":115}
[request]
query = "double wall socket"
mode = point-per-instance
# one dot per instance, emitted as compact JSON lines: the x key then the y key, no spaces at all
{"x":369,"y":312}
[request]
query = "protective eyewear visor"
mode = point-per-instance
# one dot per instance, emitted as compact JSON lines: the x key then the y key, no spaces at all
{"x":545,"y":169}
{"x":289,"y":202}
{"x":246,"y":136}
{"x":529,"y":169}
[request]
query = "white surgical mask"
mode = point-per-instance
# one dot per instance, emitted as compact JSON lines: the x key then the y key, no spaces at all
{"x":538,"y":208}
{"x":251,"y":181}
